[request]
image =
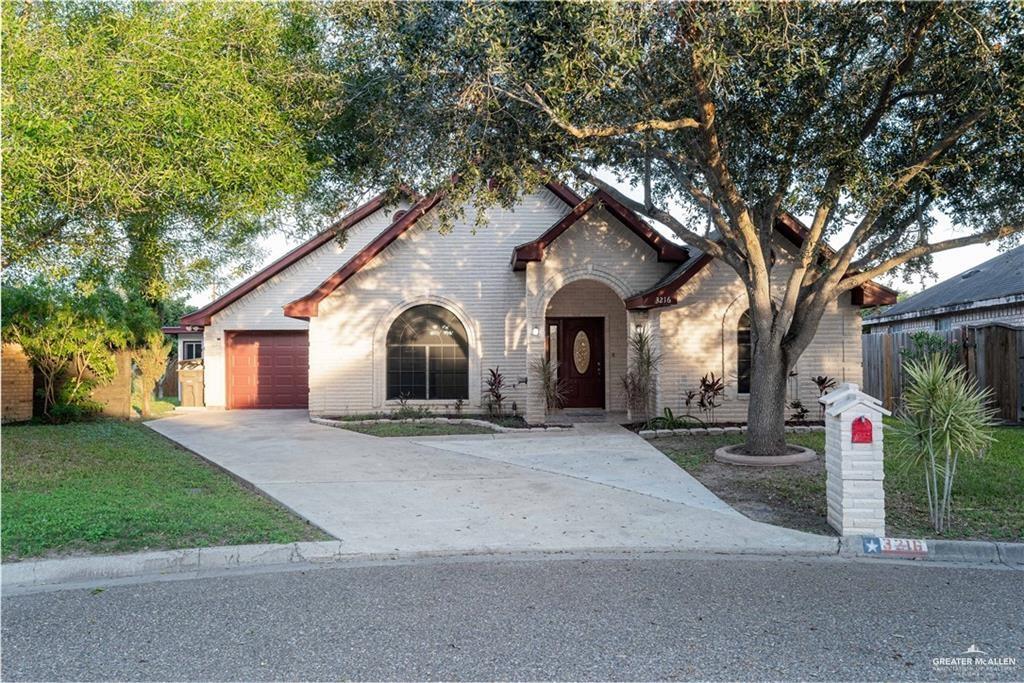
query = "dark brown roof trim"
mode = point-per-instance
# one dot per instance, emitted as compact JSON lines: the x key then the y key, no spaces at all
{"x":179,"y":329}
{"x":308,"y":306}
{"x":868,"y":294}
{"x":534,"y":250}
{"x":204,"y":315}
{"x":563,"y":192}
{"x":665,"y":295}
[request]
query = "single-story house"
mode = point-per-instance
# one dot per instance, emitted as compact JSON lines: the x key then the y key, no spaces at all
{"x":383,"y":310}
{"x":992,"y":292}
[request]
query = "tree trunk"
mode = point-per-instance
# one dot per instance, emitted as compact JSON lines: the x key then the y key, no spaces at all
{"x":766,"y":414}
{"x":146,"y":398}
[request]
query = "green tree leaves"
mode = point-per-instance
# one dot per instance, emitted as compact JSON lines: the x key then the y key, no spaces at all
{"x":160,"y":136}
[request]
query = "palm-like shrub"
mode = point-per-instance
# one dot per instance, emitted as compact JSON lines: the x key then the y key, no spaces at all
{"x":944,"y":419}
{"x":551,"y":384}
{"x":638,"y":382}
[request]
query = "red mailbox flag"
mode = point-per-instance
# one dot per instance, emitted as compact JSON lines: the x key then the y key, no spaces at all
{"x":861,"y":431}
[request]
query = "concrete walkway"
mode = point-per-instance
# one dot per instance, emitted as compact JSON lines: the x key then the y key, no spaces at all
{"x":596,"y":487}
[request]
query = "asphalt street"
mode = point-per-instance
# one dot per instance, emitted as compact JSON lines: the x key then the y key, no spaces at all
{"x":635,"y":618}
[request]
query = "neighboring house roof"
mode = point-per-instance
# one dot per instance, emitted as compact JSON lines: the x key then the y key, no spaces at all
{"x":205,"y":314}
{"x":663,"y":293}
{"x":534,"y":250}
{"x":998,"y":280}
{"x":308,"y":306}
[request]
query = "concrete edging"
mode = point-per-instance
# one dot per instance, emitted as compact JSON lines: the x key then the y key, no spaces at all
{"x":725,"y":455}
{"x":340,"y":424}
{"x":195,"y":561}
{"x":703,"y":431}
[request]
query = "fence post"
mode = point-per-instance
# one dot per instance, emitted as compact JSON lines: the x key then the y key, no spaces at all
{"x":854,"y":461}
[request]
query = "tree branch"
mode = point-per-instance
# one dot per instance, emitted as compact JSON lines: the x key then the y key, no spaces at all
{"x":923,"y":250}
{"x":660,"y":215}
{"x":608,"y":130}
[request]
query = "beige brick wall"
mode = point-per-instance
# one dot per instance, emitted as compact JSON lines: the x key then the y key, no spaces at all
{"x":699,"y":336}
{"x":16,"y":390}
{"x":263,"y":308}
{"x":465,"y":270}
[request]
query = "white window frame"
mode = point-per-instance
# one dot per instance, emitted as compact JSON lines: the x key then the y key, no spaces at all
{"x":184,"y":349}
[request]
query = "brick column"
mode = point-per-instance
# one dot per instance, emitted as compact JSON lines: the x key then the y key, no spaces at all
{"x":854,"y":470}
{"x":16,"y":391}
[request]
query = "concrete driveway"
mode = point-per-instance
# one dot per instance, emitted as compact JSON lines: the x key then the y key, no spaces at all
{"x":594,"y":487}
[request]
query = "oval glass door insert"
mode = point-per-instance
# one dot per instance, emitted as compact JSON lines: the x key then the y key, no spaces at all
{"x":581,"y":352}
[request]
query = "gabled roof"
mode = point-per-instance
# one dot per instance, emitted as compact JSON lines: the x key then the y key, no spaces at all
{"x":205,"y":314}
{"x":1001,"y":277}
{"x":663,"y":293}
{"x":534,"y":250}
{"x":308,"y":306}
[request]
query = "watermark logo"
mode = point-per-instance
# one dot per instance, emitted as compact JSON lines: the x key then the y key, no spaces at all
{"x":973,"y":659}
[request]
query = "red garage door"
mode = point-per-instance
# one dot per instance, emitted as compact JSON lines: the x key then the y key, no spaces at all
{"x":268,"y":369}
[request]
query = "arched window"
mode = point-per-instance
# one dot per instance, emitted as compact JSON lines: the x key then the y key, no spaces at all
{"x":428,"y":355}
{"x":743,"y":351}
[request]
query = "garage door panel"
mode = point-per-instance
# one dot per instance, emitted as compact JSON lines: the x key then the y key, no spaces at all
{"x":268,"y":369}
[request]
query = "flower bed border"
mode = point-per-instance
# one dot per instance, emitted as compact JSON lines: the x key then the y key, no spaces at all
{"x":704,"y":431}
{"x":340,"y":424}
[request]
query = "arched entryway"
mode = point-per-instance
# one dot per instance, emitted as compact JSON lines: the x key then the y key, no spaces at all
{"x":586,"y":341}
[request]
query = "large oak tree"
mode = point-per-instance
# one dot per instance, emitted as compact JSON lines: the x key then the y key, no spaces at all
{"x":152,"y":143}
{"x":867,"y":119}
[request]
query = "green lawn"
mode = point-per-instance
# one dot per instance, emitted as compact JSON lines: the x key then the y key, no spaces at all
{"x":988,"y":494}
{"x":158,"y":407}
{"x":395,"y":428}
{"x":111,"y":486}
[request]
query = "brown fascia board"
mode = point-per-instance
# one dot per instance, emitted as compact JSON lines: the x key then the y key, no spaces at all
{"x":308,"y":306}
{"x":563,"y":192}
{"x":205,"y":314}
{"x":868,"y":294}
{"x":534,"y":250}
{"x":665,"y":295}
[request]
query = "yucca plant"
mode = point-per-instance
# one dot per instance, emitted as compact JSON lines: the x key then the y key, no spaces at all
{"x":945,"y":418}
{"x":638,"y":382}
{"x":551,"y":384}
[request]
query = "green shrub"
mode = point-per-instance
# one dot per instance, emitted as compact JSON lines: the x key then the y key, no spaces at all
{"x":944,"y":420}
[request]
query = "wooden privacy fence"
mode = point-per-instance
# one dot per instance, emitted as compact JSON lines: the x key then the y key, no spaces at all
{"x":993,"y":355}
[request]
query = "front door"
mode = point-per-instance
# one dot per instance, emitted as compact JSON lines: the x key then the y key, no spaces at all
{"x":580,"y":345}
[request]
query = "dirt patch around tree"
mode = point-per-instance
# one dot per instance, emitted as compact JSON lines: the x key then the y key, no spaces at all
{"x":792,"y":497}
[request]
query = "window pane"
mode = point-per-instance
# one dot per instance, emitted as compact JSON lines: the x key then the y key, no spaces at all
{"x":448,"y":373}
{"x":428,"y":325}
{"x":420,"y":333}
{"x":191,"y":350}
{"x":743,"y":351}
{"x":407,"y":377}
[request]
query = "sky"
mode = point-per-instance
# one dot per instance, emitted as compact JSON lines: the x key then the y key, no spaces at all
{"x":946,"y":264}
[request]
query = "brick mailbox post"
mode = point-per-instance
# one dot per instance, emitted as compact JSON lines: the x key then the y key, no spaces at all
{"x":853,"y":461}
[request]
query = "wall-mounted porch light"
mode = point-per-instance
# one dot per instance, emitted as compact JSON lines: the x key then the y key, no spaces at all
{"x":639,"y":327}
{"x":535,"y":331}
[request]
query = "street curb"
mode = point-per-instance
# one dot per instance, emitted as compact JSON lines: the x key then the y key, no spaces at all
{"x":96,"y":567}
{"x":197,"y":561}
{"x":973,"y":552}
